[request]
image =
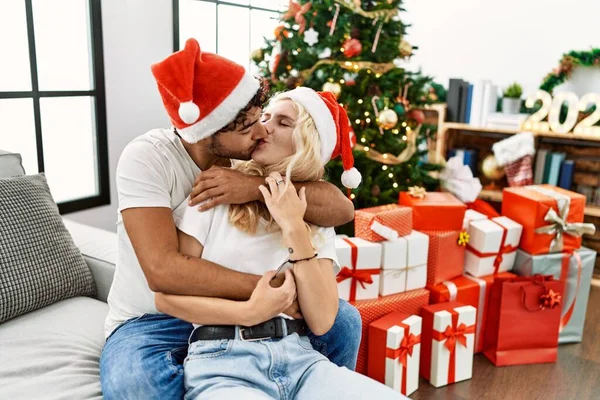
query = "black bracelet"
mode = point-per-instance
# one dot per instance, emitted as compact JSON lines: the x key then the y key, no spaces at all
{"x":303,"y":259}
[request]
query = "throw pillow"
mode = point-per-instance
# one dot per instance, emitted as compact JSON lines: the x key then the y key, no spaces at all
{"x":10,"y":164}
{"x":39,"y":263}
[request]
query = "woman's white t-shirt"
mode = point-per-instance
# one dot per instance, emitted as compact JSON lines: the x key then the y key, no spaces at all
{"x":230,"y":247}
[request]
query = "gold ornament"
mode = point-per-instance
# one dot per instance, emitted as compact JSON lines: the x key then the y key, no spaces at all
{"x":257,"y":55}
{"x":405,"y":49}
{"x":463,"y":239}
{"x":387,"y":119}
{"x":333,"y":87}
{"x":490,"y":168}
{"x":417,"y":191}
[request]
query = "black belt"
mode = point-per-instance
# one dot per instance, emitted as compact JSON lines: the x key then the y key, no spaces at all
{"x":271,"y":329}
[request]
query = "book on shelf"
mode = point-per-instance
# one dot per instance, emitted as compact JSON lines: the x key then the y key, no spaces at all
{"x":453,"y":99}
{"x":468,"y":105}
{"x":476,"y":103}
{"x":505,"y":121}
{"x":566,"y":174}
{"x":556,"y":161}
{"x":540,"y":164}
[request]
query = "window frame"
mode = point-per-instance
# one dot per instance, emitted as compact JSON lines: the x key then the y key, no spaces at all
{"x":177,"y":39}
{"x":97,"y":94}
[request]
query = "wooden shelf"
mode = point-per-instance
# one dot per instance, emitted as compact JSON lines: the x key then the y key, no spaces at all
{"x":567,"y":136}
{"x":496,"y":196}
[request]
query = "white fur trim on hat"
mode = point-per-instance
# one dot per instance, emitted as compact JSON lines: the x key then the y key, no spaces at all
{"x":319,"y":112}
{"x":351,"y":178}
{"x":224,"y":113}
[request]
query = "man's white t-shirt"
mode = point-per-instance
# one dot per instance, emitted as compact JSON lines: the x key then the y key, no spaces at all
{"x":230,"y":247}
{"x":154,"y":170}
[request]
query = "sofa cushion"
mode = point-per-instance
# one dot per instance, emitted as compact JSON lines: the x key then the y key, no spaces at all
{"x":54,"y":352}
{"x":10,"y":164}
{"x":39,"y":263}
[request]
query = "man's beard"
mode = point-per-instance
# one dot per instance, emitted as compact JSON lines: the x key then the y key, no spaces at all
{"x":219,"y":150}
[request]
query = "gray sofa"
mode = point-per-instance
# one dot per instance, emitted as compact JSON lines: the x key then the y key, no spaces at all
{"x":54,"y":352}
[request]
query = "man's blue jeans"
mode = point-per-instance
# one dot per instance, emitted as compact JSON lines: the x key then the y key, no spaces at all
{"x":143,"y":357}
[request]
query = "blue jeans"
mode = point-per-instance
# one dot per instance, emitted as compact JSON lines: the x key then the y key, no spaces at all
{"x":287,"y":368}
{"x":143,"y":357}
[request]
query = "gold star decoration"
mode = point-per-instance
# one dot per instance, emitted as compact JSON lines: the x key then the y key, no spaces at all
{"x":463,"y":239}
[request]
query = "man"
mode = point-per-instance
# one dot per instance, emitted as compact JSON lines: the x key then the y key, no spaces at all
{"x":215,"y":106}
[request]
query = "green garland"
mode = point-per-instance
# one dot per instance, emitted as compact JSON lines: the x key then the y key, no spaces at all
{"x":568,"y":62}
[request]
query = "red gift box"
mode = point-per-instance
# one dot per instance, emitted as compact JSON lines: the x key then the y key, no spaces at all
{"x":523,"y":320}
{"x":446,"y":257}
{"x":468,"y":290}
{"x":437,"y":211}
{"x":447,"y":342}
{"x":552,"y":217}
{"x":388,"y":222}
{"x":371,"y":310}
{"x":395,"y":351}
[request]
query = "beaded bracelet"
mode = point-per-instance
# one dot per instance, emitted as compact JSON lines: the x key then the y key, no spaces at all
{"x":303,"y":259}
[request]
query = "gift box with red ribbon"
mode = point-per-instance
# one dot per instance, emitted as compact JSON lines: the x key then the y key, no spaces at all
{"x":468,"y":290}
{"x":447,"y":343}
{"x":523,"y":320}
{"x":387,"y":222}
{"x":435,"y":211}
{"x":446,"y":256}
{"x":552,"y":217}
{"x":404,"y":264}
{"x":576,"y":270}
{"x":492,"y":246}
{"x":470,"y":216}
{"x":360,"y":263}
{"x":395,"y":351}
{"x":371,"y":310}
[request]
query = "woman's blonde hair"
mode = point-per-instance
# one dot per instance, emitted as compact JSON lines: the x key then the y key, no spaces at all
{"x":303,"y":166}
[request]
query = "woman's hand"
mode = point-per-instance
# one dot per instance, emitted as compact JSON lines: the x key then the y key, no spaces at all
{"x":285,"y":205}
{"x":267,"y":301}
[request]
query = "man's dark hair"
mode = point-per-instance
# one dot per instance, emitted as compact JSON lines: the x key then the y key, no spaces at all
{"x":259,"y":99}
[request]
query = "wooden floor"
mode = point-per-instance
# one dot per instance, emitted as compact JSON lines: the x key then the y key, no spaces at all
{"x":575,"y":376}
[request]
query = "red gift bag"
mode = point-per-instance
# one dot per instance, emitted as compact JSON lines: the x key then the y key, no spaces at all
{"x":523,"y":320}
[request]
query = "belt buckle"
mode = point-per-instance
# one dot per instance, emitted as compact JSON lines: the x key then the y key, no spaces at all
{"x":243,"y":339}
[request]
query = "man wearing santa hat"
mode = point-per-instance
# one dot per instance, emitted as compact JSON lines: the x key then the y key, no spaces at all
{"x":215,"y":107}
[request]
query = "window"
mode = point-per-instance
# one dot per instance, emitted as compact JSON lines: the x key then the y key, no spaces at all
{"x":230,"y":28}
{"x":52,"y":101}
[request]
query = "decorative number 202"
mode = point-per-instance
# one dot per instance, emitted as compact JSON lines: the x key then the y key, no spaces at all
{"x":551,"y":108}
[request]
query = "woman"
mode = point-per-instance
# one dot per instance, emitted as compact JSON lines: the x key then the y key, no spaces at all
{"x":248,"y":349}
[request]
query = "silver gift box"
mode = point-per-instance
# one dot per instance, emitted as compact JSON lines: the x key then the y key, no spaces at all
{"x":551,"y":264}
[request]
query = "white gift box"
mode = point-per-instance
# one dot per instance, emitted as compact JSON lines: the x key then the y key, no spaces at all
{"x":351,"y":276}
{"x":472,"y":215}
{"x":393,"y":367}
{"x":450,"y":366}
{"x":497,"y":249}
{"x":404,"y":264}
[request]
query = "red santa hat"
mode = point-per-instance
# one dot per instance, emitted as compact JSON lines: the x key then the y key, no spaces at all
{"x":334,"y":129}
{"x":202,"y":92}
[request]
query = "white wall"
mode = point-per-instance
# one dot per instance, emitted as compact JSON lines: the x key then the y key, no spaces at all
{"x":136,"y":34}
{"x":505,"y":41}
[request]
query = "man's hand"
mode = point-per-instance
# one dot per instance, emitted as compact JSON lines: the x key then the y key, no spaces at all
{"x":221,"y":185}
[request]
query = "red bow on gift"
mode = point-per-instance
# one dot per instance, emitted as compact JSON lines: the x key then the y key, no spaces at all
{"x":550,"y":299}
{"x":405,"y":349}
{"x":452,"y":336}
{"x":362,"y":276}
{"x":297,"y":11}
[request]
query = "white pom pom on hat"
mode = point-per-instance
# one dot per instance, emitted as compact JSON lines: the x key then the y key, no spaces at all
{"x":189,"y":112}
{"x":333,"y":125}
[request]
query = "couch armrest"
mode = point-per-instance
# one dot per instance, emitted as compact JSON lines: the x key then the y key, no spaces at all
{"x":99,"y":249}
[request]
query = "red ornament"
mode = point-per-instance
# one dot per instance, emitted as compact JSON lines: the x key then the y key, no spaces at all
{"x":352,"y":137}
{"x":416,"y":115}
{"x":352,"y":48}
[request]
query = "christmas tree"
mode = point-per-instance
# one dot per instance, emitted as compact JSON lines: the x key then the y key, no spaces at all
{"x":356,"y":49}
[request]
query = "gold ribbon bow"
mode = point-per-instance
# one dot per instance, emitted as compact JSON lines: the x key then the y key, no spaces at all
{"x":297,"y":11}
{"x":355,"y":6}
{"x":417,"y":191}
{"x":463,"y":239}
{"x":559,"y":227}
